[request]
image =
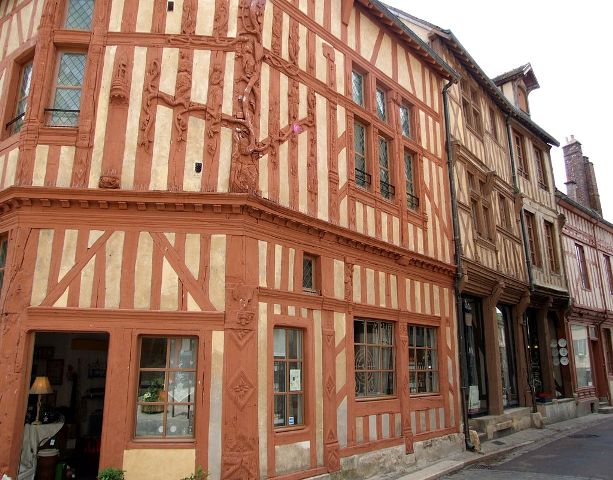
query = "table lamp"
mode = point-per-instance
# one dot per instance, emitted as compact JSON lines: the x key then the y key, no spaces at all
{"x":41,"y":386}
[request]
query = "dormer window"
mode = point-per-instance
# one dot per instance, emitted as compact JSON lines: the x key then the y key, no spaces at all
{"x":522,"y":99}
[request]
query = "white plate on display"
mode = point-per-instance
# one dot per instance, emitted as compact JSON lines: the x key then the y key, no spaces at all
{"x":562,"y":342}
{"x":564,"y":360}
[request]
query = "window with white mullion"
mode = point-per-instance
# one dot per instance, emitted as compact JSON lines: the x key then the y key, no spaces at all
{"x":387,"y":189}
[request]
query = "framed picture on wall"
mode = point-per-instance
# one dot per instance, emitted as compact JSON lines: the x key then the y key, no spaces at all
{"x":55,"y":371}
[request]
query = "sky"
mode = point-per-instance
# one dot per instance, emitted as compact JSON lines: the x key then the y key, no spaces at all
{"x":569,"y":46}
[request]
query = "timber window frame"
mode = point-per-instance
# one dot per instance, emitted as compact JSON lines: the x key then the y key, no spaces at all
{"x":410,"y":180}
{"x":494,"y":125}
{"x":71,"y":66}
{"x":361,"y":155}
{"x":374,"y":358}
{"x":584,"y":275}
{"x":533,"y":239}
{"x":78,"y":15}
{"x":359,"y":87}
{"x":310,"y":273}
{"x":288,"y":383}
{"x":381,"y":104}
{"x":539,"y":162}
{"x":385,"y":156}
{"x":550,"y":244}
{"x":405,"y":120}
{"x":480,"y":206}
{"x":471,"y":107}
{"x":423,"y":357}
{"x":503,"y":208}
{"x":166,"y":382}
{"x":18,"y":102}
{"x":520,"y":155}
{"x":609,"y":272}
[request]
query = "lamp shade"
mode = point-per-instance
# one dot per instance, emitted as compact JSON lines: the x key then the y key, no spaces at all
{"x":41,"y":386}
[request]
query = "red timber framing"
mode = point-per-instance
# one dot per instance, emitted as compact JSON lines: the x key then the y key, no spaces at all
{"x":211,"y":153}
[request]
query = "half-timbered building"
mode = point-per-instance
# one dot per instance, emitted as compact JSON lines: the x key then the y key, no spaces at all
{"x":512,"y":288}
{"x":226,"y":237}
{"x":587,"y":242}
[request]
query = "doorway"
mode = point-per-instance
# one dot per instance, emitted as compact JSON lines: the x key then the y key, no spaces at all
{"x":63,"y":424}
{"x":506,"y":348}
{"x":476,"y":359}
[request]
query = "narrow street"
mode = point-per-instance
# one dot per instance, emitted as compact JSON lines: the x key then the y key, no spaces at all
{"x":584,"y":454}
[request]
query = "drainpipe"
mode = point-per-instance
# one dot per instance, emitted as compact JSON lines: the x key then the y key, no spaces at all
{"x":457,"y":242}
{"x":524,"y":236}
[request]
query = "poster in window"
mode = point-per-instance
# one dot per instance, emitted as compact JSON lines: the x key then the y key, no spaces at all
{"x":474,"y":404}
{"x":294,"y":380}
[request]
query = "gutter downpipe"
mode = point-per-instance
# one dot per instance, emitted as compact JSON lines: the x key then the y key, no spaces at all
{"x":524,"y":236}
{"x":457,"y":241}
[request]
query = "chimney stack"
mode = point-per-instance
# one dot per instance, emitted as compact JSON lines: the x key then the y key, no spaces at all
{"x":580,"y":177}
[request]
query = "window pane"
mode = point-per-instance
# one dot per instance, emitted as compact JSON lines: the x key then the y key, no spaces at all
{"x":181,"y":387}
{"x":420,"y":338}
{"x":279,"y":410}
{"x":359,"y":141}
{"x":279,"y":377}
{"x":372,"y":361}
{"x":72,"y":69}
{"x":79,"y":15}
{"x":583,"y":365}
{"x":387,"y":333}
{"x":295,"y":376}
{"x":358,"y":332}
{"x":153,"y":352}
{"x":307,"y":273}
{"x":360,"y":357}
{"x":149,"y":420}
{"x":387,"y":359}
{"x":294,"y":342}
{"x":387,"y":383}
{"x":360,"y":383}
{"x":357,"y":82}
{"x":405,"y":122}
{"x":180,"y":420}
{"x":183,"y":353}
{"x":294,"y":414}
{"x":381,"y":109}
{"x":373,"y":383}
{"x":151,"y":386}
{"x":431,"y":337}
{"x":372,"y":332}
{"x":279,"y":342}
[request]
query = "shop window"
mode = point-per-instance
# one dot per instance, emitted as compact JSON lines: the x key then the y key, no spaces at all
{"x":309,"y":273}
{"x":362,"y":177}
{"x":357,"y":88}
{"x":405,"y":121}
{"x":409,"y":174}
{"x":67,"y":94}
{"x":381,"y":104}
{"x":374,"y":358}
{"x":288,"y":377}
{"x":552,"y":253}
{"x":607,"y":266}
{"x":520,"y":155}
{"x":582,"y":265}
{"x":533,"y":242}
{"x":21,"y":101}
{"x":79,"y":15}
{"x":539,"y":161}
{"x":423,"y":360}
{"x":581,"y":351}
{"x":3,"y":250}
{"x":471,"y":107}
{"x":387,"y":189}
{"x":166,"y":396}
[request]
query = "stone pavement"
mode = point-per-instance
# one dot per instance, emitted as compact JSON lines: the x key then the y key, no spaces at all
{"x":515,"y":444}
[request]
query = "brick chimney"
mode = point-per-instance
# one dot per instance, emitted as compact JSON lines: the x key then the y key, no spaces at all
{"x":581,"y":183}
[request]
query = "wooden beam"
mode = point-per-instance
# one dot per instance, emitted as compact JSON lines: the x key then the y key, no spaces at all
{"x":346,"y":8}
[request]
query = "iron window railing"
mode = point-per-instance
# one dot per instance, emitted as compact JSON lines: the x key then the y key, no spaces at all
{"x":412,"y":201}
{"x":15,"y":124}
{"x":60,"y":117}
{"x":362,"y":178}
{"x":387,"y":189}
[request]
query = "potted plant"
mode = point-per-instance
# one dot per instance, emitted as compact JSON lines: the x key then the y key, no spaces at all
{"x":154,"y":393}
{"x":110,"y":473}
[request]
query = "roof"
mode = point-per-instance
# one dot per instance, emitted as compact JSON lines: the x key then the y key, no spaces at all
{"x":488,"y":85}
{"x":588,"y":211}
{"x":424,"y":51}
{"x":525,"y":71}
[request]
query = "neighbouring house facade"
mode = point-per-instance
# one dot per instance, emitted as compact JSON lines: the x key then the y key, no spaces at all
{"x":227,"y":237}
{"x":587,"y":240}
{"x":513,"y":289}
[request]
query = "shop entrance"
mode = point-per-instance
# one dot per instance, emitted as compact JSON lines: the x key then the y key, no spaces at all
{"x":506,"y":348}
{"x":476,"y":360}
{"x":63,"y":424}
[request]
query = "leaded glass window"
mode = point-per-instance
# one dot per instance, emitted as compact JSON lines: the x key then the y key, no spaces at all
{"x":67,"y":99}
{"x":3,"y":249}
{"x":387,"y":189}
{"x":412,"y":199}
{"x":166,"y":396}
{"x":22,"y":99}
{"x":423,"y":360}
{"x":288,"y":379}
{"x":357,"y":85}
{"x":405,"y":121}
{"x":79,"y":15}
{"x":381,"y":107}
{"x":308,"y":273}
{"x":374,"y":358}
{"x":362,"y":178}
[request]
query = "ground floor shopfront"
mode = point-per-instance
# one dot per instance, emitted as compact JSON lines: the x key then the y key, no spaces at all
{"x":249,"y":349}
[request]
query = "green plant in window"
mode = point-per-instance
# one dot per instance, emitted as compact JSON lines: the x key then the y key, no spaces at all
{"x":155,"y":392}
{"x":111,"y":473}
